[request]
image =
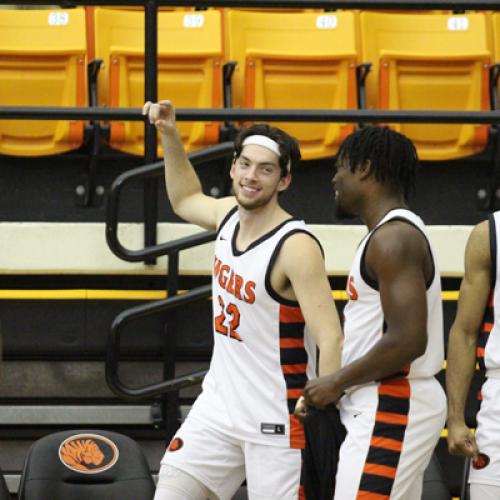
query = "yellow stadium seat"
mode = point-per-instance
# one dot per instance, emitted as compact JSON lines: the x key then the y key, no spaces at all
{"x":296,"y":60}
{"x":42,"y":63}
{"x":189,"y":70}
{"x":429,"y":62}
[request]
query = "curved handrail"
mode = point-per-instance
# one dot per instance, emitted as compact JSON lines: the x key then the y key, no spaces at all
{"x":155,"y":170}
{"x":113,"y":346}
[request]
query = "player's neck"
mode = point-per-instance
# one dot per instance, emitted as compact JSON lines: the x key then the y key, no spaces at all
{"x":257,"y":222}
{"x":376,"y":209}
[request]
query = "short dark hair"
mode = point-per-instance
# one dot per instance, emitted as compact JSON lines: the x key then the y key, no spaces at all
{"x":392,"y":156}
{"x":289,"y":146}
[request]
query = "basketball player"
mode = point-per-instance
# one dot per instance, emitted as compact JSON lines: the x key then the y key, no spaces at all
{"x":269,"y":281}
{"x":390,"y":402}
{"x":476,"y":329}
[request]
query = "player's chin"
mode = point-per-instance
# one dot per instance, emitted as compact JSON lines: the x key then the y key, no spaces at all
{"x":342,"y":213}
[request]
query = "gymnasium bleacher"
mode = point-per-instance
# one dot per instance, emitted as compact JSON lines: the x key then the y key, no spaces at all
{"x":70,"y":269}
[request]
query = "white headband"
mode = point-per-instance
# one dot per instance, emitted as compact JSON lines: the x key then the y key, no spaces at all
{"x":265,"y":142}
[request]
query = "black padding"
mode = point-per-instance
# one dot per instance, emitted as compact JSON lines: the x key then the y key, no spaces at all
{"x":83,"y":464}
{"x":434,"y":487}
{"x":4,"y":492}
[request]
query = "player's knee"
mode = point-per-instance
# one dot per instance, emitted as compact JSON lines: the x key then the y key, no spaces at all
{"x":175,"y":484}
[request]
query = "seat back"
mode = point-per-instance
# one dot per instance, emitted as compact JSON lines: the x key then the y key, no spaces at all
{"x":42,"y":63}
{"x":84,"y":464}
{"x":189,"y":70}
{"x":429,"y":62}
{"x":4,"y":491}
{"x":297,"y":61}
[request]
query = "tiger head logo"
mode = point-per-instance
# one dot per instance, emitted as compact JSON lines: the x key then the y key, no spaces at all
{"x":88,"y":453}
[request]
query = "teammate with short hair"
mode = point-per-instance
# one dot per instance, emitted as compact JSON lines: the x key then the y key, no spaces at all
{"x":390,"y":402}
{"x":269,"y":282}
{"x":476,"y":332}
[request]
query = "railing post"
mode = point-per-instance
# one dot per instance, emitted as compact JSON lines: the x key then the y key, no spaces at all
{"x":150,"y":140}
{"x":170,"y":400}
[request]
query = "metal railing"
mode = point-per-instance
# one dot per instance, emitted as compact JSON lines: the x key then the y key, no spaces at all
{"x":170,"y":386}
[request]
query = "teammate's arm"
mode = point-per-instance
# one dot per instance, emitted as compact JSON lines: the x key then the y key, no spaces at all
{"x":303,"y":265}
{"x":182,"y":183}
{"x":474,"y":292}
{"x":395,"y":257}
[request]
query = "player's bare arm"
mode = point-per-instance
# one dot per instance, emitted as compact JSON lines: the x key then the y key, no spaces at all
{"x":474,"y":292}
{"x":299,"y":274}
{"x":183,"y":186}
{"x":397,"y":257}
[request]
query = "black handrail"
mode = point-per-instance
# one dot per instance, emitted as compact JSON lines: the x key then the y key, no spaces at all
{"x":150,"y":171}
{"x":270,"y":115}
{"x":113,"y":346}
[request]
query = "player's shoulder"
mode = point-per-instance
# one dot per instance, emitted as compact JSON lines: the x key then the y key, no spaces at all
{"x":397,"y":237}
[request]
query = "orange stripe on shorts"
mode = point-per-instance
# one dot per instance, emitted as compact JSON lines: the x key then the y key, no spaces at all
{"x":380,"y":470}
{"x":288,"y":369}
{"x":368,"y":495}
{"x":391,"y":418}
{"x":287,"y":343}
{"x":386,"y":443}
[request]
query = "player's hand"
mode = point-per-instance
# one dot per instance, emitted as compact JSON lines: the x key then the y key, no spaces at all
{"x":461,"y":441}
{"x":322,"y":391}
{"x":300,"y":408}
{"x":160,"y":114}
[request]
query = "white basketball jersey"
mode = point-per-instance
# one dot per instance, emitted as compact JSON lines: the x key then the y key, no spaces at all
{"x":488,"y":342}
{"x":263,"y":355}
{"x":364,"y":322}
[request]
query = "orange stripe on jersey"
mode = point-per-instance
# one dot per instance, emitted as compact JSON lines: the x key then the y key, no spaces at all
{"x":302,"y":493}
{"x":395,"y":390}
{"x":368,"y":495}
{"x":297,"y":436}
{"x":288,"y":343}
{"x":294,"y":393}
{"x":480,"y":352}
{"x":391,"y":418}
{"x":487,"y":327}
{"x":290,"y":314}
{"x":288,"y":369}
{"x":380,"y":470}
{"x":387,"y":443}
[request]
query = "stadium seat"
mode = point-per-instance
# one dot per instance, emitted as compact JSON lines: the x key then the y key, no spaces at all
{"x":42,"y":63}
{"x":4,"y":492}
{"x":429,"y":62}
{"x":189,"y":70}
{"x":84,"y":464}
{"x":297,"y":61}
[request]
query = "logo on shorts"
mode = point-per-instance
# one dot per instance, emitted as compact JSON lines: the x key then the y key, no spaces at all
{"x":481,"y":461}
{"x":88,"y":453}
{"x":175,"y":444}
{"x":272,"y":429}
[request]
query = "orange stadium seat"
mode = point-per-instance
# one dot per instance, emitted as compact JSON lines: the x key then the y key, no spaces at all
{"x":189,"y":70}
{"x":298,"y":61}
{"x":42,"y":63}
{"x":429,"y":62}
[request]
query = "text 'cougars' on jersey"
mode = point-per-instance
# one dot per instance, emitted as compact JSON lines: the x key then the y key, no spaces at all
{"x":233,"y":283}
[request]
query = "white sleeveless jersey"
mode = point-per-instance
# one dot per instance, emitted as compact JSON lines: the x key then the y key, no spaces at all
{"x":488,"y":342}
{"x":263,"y":355}
{"x":364,"y":322}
